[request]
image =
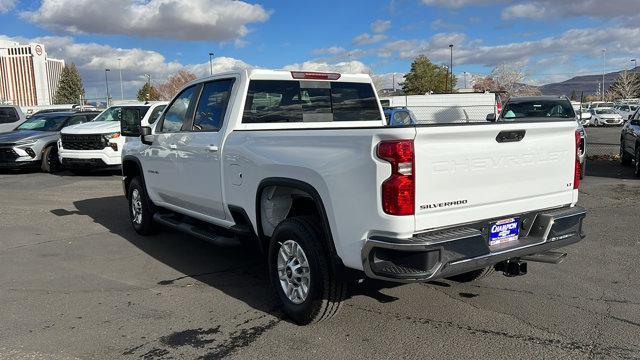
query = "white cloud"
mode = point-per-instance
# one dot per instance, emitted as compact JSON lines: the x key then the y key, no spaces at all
{"x":341,"y":67}
{"x":333,"y":50}
{"x":366,"y":38}
{"x":553,"y":9}
{"x":455,"y":3}
{"x":380,"y":26}
{"x":528,"y":10}
{"x":174,"y":19}
{"x":91,"y":60}
{"x":6,"y":5}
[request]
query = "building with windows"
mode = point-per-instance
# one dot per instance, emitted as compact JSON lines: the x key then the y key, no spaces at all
{"x":27,"y":76}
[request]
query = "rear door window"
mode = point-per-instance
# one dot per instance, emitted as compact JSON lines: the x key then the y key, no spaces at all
{"x":8,"y":115}
{"x":279,"y":101}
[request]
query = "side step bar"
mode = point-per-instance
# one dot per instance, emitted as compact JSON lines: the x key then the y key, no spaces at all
{"x":199,"y":232}
{"x":549,"y":257}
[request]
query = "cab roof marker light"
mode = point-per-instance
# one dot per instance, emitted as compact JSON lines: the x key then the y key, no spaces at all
{"x":312,"y":75}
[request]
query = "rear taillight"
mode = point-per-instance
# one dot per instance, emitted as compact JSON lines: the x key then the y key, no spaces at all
{"x":576,"y":173}
{"x":398,"y":191}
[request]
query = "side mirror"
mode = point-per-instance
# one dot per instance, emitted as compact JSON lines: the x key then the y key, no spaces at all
{"x":491,"y":117}
{"x":129,"y":121}
{"x":146,"y":136}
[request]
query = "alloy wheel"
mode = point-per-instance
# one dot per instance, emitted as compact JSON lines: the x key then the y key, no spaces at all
{"x":293,"y":271}
{"x":136,"y":206}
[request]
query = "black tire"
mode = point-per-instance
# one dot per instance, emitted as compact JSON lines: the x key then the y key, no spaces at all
{"x":472,"y":275}
{"x":636,"y":168}
{"x":625,"y":159}
{"x":144,"y":225}
{"x":326,"y":285}
{"x":50,"y":162}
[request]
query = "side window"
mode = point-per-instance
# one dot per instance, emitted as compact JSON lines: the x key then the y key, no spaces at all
{"x":177,"y":112}
{"x":156,"y":113}
{"x":8,"y":115}
{"x":78,"y":119}
{"x":401,"y":117}
{"x":636,"y":115}
{"x":212,"y":105}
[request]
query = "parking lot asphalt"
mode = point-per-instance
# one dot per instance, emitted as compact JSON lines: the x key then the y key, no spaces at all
{"x":77,"y":282}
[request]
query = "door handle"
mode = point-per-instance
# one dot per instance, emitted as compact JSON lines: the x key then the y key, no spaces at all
{"x":173,"y":146}
{"x":212,"y":148}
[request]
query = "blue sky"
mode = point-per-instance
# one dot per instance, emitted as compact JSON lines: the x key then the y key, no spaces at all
{"x":552,"y":40}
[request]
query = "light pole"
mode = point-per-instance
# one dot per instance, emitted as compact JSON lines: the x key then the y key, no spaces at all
{"x":451,"y":65}
{"x":604,"y":65}
{"x":635,"y":64}
{"x":210,"y":63}
{"x":148,"y":86}
{"x":446,"y":78}
{"x":106,"y":82}
{"x":121,"y":87}
{"x":465,"y":79}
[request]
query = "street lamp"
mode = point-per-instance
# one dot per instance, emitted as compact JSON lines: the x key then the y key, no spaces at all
{"x":210,"y":63}
{"x":121,"y":87}
{"x":451,"y":65}
{"x":604,"y":64}
{"x":106,"y":81}
{"x":446,"y":78}
{"x":148,"y":86}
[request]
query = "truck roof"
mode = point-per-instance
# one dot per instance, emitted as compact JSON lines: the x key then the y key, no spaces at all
{"x":266,"y":74}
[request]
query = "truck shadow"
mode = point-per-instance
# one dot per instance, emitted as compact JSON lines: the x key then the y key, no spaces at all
{"x":238,"y":272}
{"x":609,"y":169}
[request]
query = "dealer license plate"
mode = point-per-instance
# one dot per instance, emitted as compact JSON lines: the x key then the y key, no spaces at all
{"x":504,"y":231}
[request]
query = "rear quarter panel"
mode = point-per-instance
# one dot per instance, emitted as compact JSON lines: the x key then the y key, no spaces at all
{"x":339,"y":163}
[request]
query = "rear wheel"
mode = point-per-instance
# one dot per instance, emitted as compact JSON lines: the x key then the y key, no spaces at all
{"x":141,"y":209}
{"x":472,"y":275}
{"x":50,"y":162}
{"x":306,"y":278}
{"x":625,"y":159}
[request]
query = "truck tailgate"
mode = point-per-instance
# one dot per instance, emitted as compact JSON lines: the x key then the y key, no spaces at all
{"x":464,"y":174}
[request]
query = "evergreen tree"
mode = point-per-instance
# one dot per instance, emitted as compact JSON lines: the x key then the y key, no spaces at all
{"x":148,"y":92}
{"x":70,"y":88}
{"x":426,"y":76}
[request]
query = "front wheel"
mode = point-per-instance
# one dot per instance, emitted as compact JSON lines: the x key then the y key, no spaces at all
{"x":636,"y":170}
{"x":625,"y":159}
{"x":307,"y":280}
{"x":141,"y":209}
{"x":50,"y":162}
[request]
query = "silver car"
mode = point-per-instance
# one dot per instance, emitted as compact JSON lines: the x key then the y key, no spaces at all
{"x":34,"y":142}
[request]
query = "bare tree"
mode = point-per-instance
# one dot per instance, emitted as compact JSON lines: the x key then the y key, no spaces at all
{"x":626,"y":86}
{"x":511,"y":78}
{"x":378,"y":83}
{"x":174,"y":83}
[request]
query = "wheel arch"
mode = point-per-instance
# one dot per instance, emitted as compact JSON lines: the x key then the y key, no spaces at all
{"x":304,"y":187}
{"x":131,"y":166}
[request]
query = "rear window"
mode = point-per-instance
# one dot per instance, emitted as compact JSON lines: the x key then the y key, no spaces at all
{"x":537,"y":109}
{"x":278,"y":101}
{"x":8,"y":115}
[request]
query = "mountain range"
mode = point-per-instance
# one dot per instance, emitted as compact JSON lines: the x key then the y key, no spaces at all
{"x":585,"y":83}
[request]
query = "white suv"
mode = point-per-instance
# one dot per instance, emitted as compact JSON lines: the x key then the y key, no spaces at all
{"x":98,"y":143}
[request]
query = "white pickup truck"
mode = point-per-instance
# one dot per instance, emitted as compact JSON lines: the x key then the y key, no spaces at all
{"x":98,"y":144}
{"x":302,"y":164}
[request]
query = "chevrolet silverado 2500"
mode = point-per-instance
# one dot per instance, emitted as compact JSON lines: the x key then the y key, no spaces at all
{"x":303,"y":164}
